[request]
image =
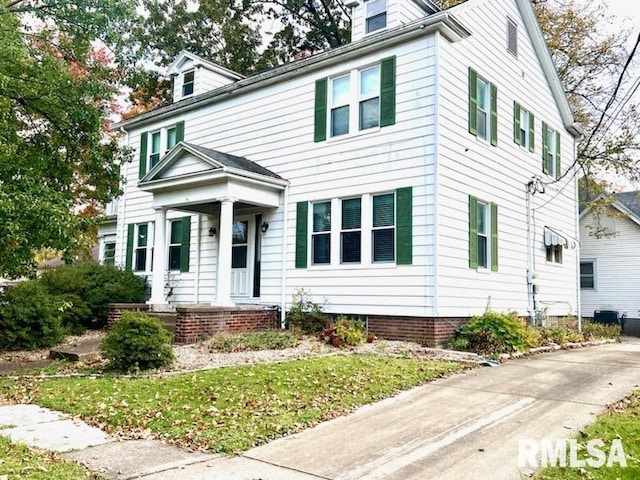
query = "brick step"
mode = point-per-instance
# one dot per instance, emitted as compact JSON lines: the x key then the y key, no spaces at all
{"x":168,"y":320}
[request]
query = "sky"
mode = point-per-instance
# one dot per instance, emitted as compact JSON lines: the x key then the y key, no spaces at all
{"x":626,"y":9}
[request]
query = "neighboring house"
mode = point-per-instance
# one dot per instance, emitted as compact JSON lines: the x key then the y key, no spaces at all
{"x":610,"y":259}
{"x":415,"y":177}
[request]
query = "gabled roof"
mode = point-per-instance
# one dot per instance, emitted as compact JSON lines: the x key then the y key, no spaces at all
{"x":212,"y":160}
{"x":627,"y":203}
{"x":175,"y":67}
{"x":428,"y":6}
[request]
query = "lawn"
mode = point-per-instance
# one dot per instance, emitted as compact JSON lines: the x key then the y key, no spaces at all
{"x":19,"y":461}
{"x":620,"y":421}
{"x":230,"y":409}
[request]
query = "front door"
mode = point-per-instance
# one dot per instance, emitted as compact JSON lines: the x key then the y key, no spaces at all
{"x":241,"y":257}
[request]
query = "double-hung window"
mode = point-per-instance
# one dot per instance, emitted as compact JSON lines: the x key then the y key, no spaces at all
{"x":358,"y":100}
{"x":188,"y":80}
{"x":109,"y":253}
{"x":587,"y":274}
{"x":483,"y":108}
{"x":154,"y":144}
{"x":139,"y":251}
{"x":376,"y":15}
{"x":179,"y":244}
{"x":523,"y":127}
{"x":321,"y":233}
{"x":351,"y":233}
{"x":383,"y":232}
{"x":483,"y":234}
{"x":551,"y":160}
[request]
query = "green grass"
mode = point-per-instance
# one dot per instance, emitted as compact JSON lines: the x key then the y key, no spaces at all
{"x":230,"y":409}
{"x":19,"y":461}
{"x":240,"y":342}
{"x":622,"y":421}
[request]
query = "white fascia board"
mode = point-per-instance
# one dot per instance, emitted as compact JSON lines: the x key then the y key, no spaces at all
{"x":445,"y":23}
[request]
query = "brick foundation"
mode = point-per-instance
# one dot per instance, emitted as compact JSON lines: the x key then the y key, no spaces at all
{"x":433,"y":332}
{"x":198,"y":323}
{"x":116,"y":310}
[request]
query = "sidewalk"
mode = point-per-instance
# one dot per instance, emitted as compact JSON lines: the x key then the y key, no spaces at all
{"x":443,"y":430}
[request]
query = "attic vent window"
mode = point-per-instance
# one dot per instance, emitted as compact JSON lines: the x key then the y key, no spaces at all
{"x":187,"y":83}
{"x":512,"y":37}
{"x":376,"y":17}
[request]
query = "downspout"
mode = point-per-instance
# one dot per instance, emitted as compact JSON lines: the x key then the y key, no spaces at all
{"x":283,"y":277}
{"x":577,"y":237}
{"x":530,"y":305}
{"x":196,"y":297}
{"x":120,"y":219}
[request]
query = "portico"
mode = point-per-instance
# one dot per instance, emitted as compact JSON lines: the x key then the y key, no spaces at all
{"x":194,"y":179}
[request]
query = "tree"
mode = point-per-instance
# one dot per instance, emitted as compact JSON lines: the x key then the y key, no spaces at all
{"x":56,"y":89}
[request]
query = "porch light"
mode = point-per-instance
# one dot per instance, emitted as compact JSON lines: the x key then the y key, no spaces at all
{"x":212,"y":232}
{"x":264,"y":226}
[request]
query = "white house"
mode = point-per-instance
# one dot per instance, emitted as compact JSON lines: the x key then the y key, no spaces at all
{"x":414,"y":177}
{"x":610,"y":259}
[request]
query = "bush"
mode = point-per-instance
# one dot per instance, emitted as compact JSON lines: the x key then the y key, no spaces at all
{"x":90,"y":287}
{"x":493,"y":333}
{"x":594,"y":331}
{"x":30,"y":318}
{"x":345,"y":332}
{"x":241,"y":342}
{"x":559,"y":335}
{"x":137,"y":342}
{"x":305,"y":314}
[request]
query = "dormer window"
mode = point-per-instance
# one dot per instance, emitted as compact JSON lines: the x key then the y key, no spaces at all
{"x":187,"y":83}
{"x":376,"y":15}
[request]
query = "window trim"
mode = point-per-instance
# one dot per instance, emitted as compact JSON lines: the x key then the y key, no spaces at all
{"x":368,"y":16}
{"x":170,"y":244}
{"x":554,"y":254}
{"x":314,"y":234}
{"x":148,"y":248}
{"x":594,"y":275}
{"x":393,"y":227}
{"x":344,"y":230}
{"x":109,"y":240}
{"x":491,"y":106}
{"x":192,"y":82}
{"x":491,"y":222}
{"x":551,"y":152}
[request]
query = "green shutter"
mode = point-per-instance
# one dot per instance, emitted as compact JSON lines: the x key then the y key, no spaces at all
{"x":473,"y":232}
{"x":143,"y":154}
{"x":320,"y":111}
{"x":494,"y":237}
{"x":185,"y":246}
{"x":404,"y":226}
{"x":302,"y":225}
{"x":532,"y":131}
{"x":180,"y":131}
{"x":473,"y":101}
{"x":129,"y":257}
{"x":516,"y":123}
{"x":494,"y":115}
{"x":388,"y":91}
{"x":545,"y":148}
{"x":558,"y":156}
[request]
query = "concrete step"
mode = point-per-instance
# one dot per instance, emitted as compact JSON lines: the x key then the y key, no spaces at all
{"x":84,"y":352}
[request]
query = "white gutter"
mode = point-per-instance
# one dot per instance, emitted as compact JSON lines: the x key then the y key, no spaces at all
{"x":283,"y":276}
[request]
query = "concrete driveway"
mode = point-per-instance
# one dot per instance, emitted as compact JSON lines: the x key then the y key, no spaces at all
{"x":466,"y":426}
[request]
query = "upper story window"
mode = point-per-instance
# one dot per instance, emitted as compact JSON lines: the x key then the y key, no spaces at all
{"x":512,"y":37}
{"x":554,"y":253}
{"x":483,"y":108}
{"x":154,"y":144}
{"x":358,"y":100}
{"x":188,"y":80}
{"x":355,"y":106}
{"x":523,"y":127}
{"x":376,"y":15}
{"x":551,"y":146}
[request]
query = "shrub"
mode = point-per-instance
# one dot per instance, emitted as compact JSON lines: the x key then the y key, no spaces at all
{"x":559,"y":335}
{"x":305,"y":314}
{"x":93,"y":286}
{"x":137,"y":342}
{"x":593,"y":330}
{"x":240,"y":342}
{"x":493,"y":333}
{"x":29,"y":318}
{"x":345,"y":332}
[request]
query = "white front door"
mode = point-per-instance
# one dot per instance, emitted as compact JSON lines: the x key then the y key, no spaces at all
{"x":241,"y":257}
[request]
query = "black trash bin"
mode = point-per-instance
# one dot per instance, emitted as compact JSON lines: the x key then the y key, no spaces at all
{"x":606,"y":316}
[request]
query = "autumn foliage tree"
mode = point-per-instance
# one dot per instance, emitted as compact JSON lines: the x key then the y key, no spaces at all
{"x":56,"y":156}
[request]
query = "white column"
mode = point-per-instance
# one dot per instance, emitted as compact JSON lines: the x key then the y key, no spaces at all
{"x":223,"y":280}
{"x":159,"y":259}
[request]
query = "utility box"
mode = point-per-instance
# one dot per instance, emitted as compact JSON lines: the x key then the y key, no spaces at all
{"x":606,"y":316}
